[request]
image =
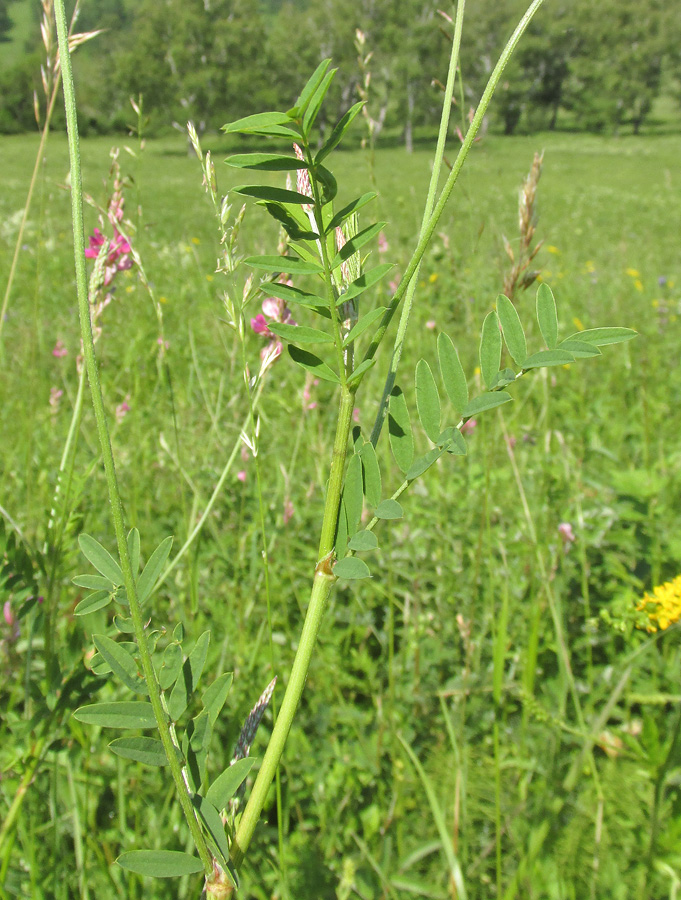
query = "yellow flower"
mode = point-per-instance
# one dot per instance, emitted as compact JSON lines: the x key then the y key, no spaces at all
{"x":633,"y":273}
{"x":162,"y":299}
{"x":589,"y":266}
{"x":552,"y":249}
{"x":638,"y":284}
{"x":209,"y":277}
{"x":655,"y":303}
{"x":129,"y":289}
{"x":477,"y":370}
{"x":663,"y":607}
{"x":578,"y":324}
{"x":196,"y":241}
{"x":433,"y":277}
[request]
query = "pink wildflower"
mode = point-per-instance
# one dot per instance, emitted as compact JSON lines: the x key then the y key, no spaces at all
{"x":7,"y":613}
{"x":122,"y":409}
{"x":259,"y":325}
{"x":117,"y":258}
{"x":469,"y":426}
{"x":431,"y":324}
{"x":55,"y":396}
{"x":383,"y":245}
{"x":60,"y":350}
{"x":274,"y":309}
{"x":393,"y":285}
{"x":567,"y":535}
{"x":288,"y":511}
{"x":355,"y":414}
{"x":241,"y":475}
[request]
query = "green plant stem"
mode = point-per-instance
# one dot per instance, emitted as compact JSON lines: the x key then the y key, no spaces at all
{"x":107,"y":453}
{"x":430,"y":201}
{"x":321,"y":588}
{"x":427,"y":232}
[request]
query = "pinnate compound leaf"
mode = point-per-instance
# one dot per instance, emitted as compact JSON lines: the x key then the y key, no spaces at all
{"x":361,"y":326}
{"x":300,"y":334}
{"x":514,"y":335}
{"x":547,"y":316}
{"x":100,"y":558}
{"x":399,"y":429}
{"x":290,"y":265}
{"x":225,"y":786}
{"x":351,"y":569}
{"x":490,"y":348}
{"x":308,"y":91}
{"x":91,"y":604}
{"x":484,"y":402}
{"x":120,"y":662}
{"x":548,"y":358}
{"x":188,"y":679}
{"x":389,"y":509}
{"x":130,"y":714}
{"x":152,"y":570}
{"x":452,"y":373}
{"x":365,"y":281}
{"x":160,"y":863}
{"x":212,"y":822}
{"x":215,"y":696}
{"x":348,"y":210}
{"x":363,"y":540}
{"x":313,"y":364}
{"x":372,"y":474}
{"x":257,"y":124}
{"x":427,"y":400}
{"x":146,"y":750}
{"x":360,"y":371}
{"x":355,"y":243}
{"x":339,"y":130}
{"x":265,"y":162}
{"x":579,"y":349}
{"x":599,"y":337}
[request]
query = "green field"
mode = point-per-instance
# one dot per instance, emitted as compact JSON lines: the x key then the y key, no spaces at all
{"x":407,"y":657}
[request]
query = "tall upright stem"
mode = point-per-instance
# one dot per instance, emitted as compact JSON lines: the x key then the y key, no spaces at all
{"x":105,"y":441}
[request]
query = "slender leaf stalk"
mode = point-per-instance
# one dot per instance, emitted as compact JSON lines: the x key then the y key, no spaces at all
{"x":107,"y":453}
{"x":427,"y":212}
{"x":428,"y":231}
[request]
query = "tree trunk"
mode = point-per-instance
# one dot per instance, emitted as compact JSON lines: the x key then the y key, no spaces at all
{"x":409,"y":125}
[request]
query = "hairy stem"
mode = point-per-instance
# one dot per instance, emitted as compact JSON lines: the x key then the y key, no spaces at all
{"x":105,"y":441}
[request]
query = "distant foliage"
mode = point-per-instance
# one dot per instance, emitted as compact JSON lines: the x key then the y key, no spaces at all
{"x":598,"y":66}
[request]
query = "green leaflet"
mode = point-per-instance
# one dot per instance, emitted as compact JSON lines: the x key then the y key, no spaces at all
{"x":353,"y":493}
{"x":512,"y":328}
{"x":355,"y":243}
{"x":339,"y":130}
{"x":351,"y":569}
{"x":300,"y":334}
{"x":427,"y":400}
{"x":289,"y":265}
{"x":121,"y":663}
{"x":348,"y":210}
{"x":363,"y":540}
{"x":257,"y":124}
{"x":602,"y":336}
{"x":146,"y":750}
{"x":547,"y":316}
{"x":372,"y":474}
{"x":548,"y":358}
{"x":265,"y":162}
{"x":131,"y":714}
{"x":100,"y":558}
{"x":399,"y":429}
{"x":490,"y":348}
{"x":189,"y":677}
{"x":361,"y":326}
{"x":91,"y":604}
{"x":485,"y":402}
{"x":271,"y":194}
{"x":365,"y":280}
{"x":312,"y":363}
{"x":389,"y":509}
{"x":225,"y":786}
{"x":215,"y":696}
{"x":316,"y":101}
{"x":160,"y":863}
{"x":308,"y":91}
{"x":453,"y":376}
{"x":153,"y":568}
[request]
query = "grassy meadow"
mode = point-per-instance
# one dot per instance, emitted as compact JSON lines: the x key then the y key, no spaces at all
{"x":500,"y":653}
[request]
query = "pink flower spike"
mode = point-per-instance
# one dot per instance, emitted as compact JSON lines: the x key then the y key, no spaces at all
{"x":259,"y":325}
{"x":273,"y":308}
{"x":567,"y":534}
{"x":96,"y":241}
{"x":60,"y":350}
{"x":7,"y":613}
{"x":469,"y":426}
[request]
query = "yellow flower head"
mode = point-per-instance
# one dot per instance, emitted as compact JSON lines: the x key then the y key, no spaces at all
{"x":552,"y":249}
{"x":663,"y":606}
{"x":433,"y":277}
{"x":633,"y":273}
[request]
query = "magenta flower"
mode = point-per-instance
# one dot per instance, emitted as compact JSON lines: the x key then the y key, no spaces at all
{"x":8,"y":614}
{"x":117,"y":258}
{"x":567,"y":535}
{"x":383,"y":245}
{"x":274,"y":309}
{"x":122,"y":409}
{"x":60,"y":350}
{"x":469,"y":426}
{"x":241,"y":475}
